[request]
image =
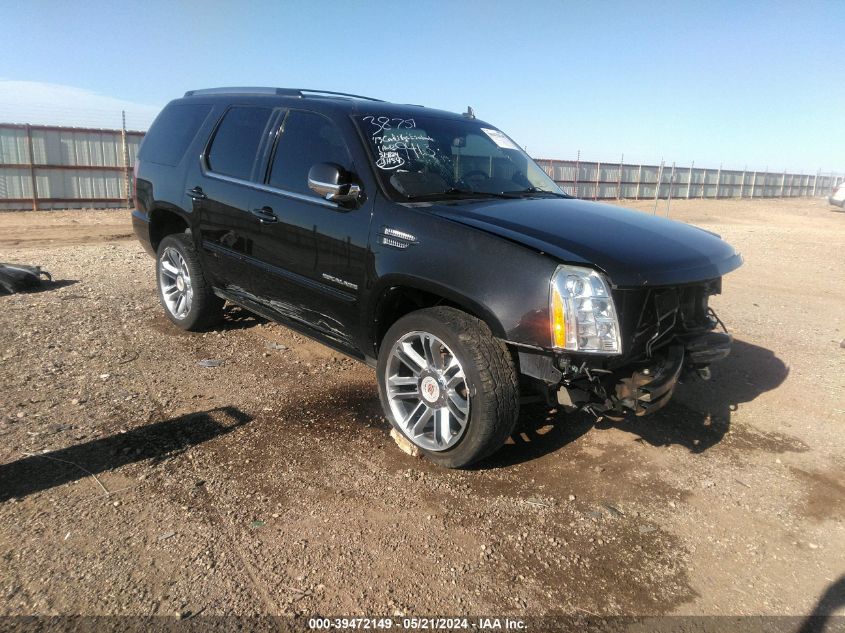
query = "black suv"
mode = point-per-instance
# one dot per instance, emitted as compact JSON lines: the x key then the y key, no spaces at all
{"x":430,"y":246}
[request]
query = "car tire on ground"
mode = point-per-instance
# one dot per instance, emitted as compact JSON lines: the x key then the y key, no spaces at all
{"x":184,"y":293}
{"x":448,"y":385}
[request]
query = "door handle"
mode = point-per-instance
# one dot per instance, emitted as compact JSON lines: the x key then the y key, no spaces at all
{"x":196,"y":193}
{"x":265,"y":215}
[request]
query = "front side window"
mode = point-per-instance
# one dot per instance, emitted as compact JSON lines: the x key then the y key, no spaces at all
{"x":306,"y":139}
{"x":234,"y":149}
{"x":437,"y":157}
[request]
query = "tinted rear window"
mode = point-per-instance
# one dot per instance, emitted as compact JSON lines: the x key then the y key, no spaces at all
{"x":235,"y":145}
{"x":173,"y":130}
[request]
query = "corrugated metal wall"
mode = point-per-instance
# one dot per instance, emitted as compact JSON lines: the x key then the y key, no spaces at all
{"x":597,"y":181}
{"x":69,"y":167}
{"x":76,"y":167}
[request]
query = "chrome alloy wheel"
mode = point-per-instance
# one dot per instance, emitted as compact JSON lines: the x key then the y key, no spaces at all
{"x":175,"y":283}
{"x":427,"y":391}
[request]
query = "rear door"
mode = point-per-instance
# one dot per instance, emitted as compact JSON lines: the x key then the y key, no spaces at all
{"x":316,"y":250}
{"x":222,"y":189}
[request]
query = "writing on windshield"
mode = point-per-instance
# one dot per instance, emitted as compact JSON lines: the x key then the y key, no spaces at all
{"x":434,"y":156}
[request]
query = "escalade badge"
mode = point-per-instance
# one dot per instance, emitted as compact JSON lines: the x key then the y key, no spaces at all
{"x":341,"y":282}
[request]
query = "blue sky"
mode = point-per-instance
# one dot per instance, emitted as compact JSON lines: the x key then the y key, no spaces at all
{"x":739,"y":83}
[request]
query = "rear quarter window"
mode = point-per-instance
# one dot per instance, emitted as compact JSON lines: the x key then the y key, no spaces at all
{"x":172,"y":132}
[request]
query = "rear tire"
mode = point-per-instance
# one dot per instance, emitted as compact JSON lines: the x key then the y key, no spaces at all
{"x":440,"y":368}
{"x":184,"y":293}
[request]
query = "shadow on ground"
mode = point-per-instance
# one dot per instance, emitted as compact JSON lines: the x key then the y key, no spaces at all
{"x":832,"y":599}
{"x":237,"y":318}
{"x":234,"y":318}
{"x":697,"y":417}
{"x":156,"y":441}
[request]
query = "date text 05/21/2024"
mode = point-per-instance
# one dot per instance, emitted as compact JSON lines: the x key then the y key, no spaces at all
{"x":418,"y":624}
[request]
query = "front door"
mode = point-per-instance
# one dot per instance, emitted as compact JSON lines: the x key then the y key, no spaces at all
{"x":316,"y":249}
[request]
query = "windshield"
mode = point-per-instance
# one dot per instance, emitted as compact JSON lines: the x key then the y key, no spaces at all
{"x":427,"y":158}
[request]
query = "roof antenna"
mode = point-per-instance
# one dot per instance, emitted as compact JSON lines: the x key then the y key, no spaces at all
{"x":470,"y":113}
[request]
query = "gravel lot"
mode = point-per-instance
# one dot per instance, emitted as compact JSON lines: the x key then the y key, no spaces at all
{"x":269,"y":484}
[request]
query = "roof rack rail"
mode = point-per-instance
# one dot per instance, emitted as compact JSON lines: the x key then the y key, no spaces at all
{"x":262,"y":90}
{"x":244,"y":90}
{"x":338,"y":94}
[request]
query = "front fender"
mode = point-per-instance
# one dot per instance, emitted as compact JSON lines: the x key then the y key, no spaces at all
{"x":501,"y":282}
{"x":395,"y":282}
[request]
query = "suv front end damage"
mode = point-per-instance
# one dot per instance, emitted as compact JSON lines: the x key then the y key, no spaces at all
{"x":649,"y":388}
{"x":664,"y":334}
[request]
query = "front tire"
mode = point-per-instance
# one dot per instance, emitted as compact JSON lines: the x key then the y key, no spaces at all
{"x":184,"y":293}
{"x":448,"y":385}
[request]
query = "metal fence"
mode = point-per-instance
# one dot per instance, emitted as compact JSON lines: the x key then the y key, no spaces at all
{"x":619,"y":180}
{"x":51,"y":167}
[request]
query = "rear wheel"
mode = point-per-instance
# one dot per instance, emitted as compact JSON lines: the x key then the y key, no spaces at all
{"x":187,"y":298}
{"x":448,"y":385}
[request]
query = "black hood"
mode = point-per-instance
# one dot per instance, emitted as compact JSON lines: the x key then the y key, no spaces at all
{"x":632,"y":247}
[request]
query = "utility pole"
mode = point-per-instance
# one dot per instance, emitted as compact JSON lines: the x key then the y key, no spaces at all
{"x":126,"y":181}
{"x":718,"y":180}
{"x":639,"y":180}
{"x":657,"y":188}
{"x":671,"y":186}
{"x":619,"y":178}
{"x":598,"y":174}
{"x":689,"y":179}
{"x":577,"y":169}
{"x":32,"y":178}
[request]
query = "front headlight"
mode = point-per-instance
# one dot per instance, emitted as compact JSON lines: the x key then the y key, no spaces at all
{"x":582,"y":314}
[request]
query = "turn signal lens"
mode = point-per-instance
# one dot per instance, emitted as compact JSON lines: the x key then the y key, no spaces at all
{"x":582,"y":313}
{"x":558,"y":320}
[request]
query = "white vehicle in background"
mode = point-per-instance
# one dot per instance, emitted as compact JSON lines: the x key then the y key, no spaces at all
{"x":838,"y":195}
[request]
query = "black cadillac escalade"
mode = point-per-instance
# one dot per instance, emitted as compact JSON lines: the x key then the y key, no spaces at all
{"x":430,"y":246}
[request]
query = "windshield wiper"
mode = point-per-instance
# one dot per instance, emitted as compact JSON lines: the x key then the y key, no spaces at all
{"x":491,"y":194}
{"x":458,"y":192}
{"x":534,"y":191}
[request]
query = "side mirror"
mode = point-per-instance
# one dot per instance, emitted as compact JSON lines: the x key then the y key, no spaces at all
{"x":333,"y":183}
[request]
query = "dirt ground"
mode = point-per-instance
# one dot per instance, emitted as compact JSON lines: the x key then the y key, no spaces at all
{"x":134,"y":481}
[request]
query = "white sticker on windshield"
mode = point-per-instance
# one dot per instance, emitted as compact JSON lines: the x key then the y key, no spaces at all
{"x":499,"y":139}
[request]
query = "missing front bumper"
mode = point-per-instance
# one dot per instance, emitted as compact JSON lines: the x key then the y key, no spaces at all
{"x":648,"y":386}
{"x":649,"y":389}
